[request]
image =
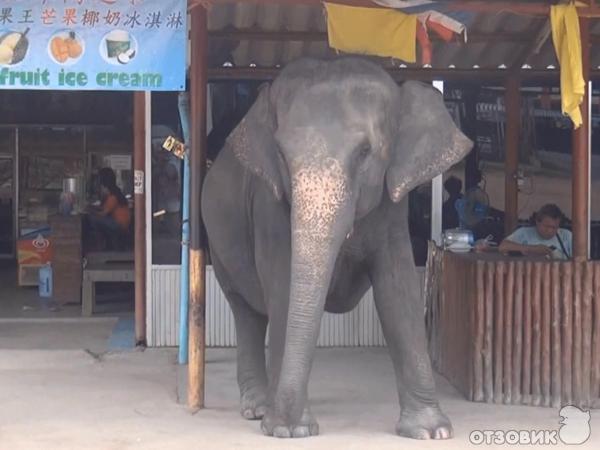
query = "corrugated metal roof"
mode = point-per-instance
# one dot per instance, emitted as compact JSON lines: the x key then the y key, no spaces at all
{"x":514,"y":37}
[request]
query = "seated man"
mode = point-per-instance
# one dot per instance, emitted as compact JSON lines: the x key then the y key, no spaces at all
{"x":543,"y":239}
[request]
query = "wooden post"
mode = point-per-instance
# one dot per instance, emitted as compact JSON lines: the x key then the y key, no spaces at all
{"x":518,"y":337}
{"x":546,"y":326}
{"x":527,"y":300}
{"x":595,"y":387}
{"x":139,"y":167}
{"x":556,"y":318}
{"x":536,"y":328}
{"x":488,"y":371}
{"x":580,"y":172}
{"x":586,"y":328}
{"x":508,"y":335}
{"x":498,"y":331}
{"x":577,"y":332}
{"x":567,"y":333}
{"x":513,"y":130}
{"x":198,"y":98}
{"x":472,"y":172}
{"x":479,"y":332}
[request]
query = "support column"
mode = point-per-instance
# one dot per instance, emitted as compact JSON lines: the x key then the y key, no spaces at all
{"x":469,"y":128}
{"x":581,"y":158}
{"x":512,"y":101}
{"x":139,"y":167}
{"x":198,"y":92}
{"x":437,"y":193}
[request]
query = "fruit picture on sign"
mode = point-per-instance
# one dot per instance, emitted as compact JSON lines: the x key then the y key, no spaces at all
{"x":66,"y":47}
{"x":118,"y":47}
{"x":13,"y":47}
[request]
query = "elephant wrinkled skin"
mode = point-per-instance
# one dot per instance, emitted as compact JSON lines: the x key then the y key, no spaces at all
{"x":305,"y":209}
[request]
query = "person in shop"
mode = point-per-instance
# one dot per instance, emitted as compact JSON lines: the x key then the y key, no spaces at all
{"x":544,"y":238}
{"x":450,"y":219}
{"x":112,"y":218}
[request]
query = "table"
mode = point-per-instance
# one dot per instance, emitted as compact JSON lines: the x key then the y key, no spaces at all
{"x":107,"y":272}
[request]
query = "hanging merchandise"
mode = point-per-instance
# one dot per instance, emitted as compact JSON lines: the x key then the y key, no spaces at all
{"x":372,"y":31}
{"x":567,"y":44}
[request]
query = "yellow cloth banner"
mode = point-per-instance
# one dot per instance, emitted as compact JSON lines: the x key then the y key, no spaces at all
{"x":567,"y":44}
{"x":372,"y":31}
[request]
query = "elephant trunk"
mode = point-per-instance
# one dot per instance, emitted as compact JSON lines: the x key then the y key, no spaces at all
{"x":322,"y":214}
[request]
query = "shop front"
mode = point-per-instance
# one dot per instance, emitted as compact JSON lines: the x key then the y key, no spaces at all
{"x":69,"y":138}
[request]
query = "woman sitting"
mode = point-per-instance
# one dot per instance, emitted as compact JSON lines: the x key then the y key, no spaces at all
{"x":113,"y":217}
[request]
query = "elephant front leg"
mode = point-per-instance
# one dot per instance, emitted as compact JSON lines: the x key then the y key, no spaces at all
{"x":401,"y":312}
{"x":276,"y":422}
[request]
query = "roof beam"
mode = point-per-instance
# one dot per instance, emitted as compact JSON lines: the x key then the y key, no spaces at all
{"x":529,"y":76}
{"x":317,"y":36}
{"x":540,"y":8}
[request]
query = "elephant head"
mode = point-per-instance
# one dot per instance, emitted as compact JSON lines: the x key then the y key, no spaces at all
{"x":329,"y":138}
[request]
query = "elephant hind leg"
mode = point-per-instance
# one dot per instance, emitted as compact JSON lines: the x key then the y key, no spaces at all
{"x":250,"y":327}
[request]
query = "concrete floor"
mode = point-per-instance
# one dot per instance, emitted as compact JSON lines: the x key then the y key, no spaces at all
{"x":73,"y":399}
{"x":57,"y":334}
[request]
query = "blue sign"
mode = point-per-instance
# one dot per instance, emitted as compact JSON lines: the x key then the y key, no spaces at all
{"x":117,"y":45}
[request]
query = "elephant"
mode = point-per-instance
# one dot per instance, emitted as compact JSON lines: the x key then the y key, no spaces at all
{"x":305,"y":209}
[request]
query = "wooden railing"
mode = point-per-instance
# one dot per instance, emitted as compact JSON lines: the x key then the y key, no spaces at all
{"x":515,"y":330}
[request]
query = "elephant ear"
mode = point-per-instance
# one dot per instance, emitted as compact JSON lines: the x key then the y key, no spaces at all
{"x":253,"y":142}
{"x":427,"y":142}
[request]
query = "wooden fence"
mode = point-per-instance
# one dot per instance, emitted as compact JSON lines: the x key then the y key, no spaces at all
{"x":516,"y":331}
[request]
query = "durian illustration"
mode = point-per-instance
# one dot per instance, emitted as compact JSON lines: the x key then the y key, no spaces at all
{"x":13,"y":47}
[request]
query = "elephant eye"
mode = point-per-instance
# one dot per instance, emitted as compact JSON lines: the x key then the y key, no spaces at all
{"x":364,"y":151}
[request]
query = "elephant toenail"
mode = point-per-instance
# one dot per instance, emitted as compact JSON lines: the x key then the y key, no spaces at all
{"x":281,"y":432}
{"x":442,"y":433}
{"x":260,"y":411}
{"x":301,"y":432}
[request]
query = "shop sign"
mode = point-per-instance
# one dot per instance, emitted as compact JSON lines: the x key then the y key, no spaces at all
{"x":127,"y":45}
{"x":138,"y":182}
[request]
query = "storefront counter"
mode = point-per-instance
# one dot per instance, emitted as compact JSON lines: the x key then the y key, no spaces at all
{"x":66,"y":259}
{"x":517,"y":330}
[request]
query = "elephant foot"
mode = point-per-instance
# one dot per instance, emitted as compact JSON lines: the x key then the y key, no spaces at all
{"x":254,"y":403}
{"x":426,"y":423}
{"x":274,"y":425}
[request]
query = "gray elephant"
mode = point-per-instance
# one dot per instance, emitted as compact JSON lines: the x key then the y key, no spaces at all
{"x":306,"y":208}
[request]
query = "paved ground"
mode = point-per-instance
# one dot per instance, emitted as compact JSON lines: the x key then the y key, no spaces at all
{"x":56,"y":334}
{"x":73,"y":399}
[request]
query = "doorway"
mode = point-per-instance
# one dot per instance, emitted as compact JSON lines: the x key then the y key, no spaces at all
{"x":7,"y":193}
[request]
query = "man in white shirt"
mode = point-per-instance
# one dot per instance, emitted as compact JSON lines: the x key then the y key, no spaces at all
{"x":543,"y":239}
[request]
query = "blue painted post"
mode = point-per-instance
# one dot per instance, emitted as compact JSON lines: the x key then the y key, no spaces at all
{"x":184,"y":114}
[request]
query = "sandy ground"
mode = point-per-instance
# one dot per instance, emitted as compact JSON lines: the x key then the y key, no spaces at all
{"x":74,"y":399}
